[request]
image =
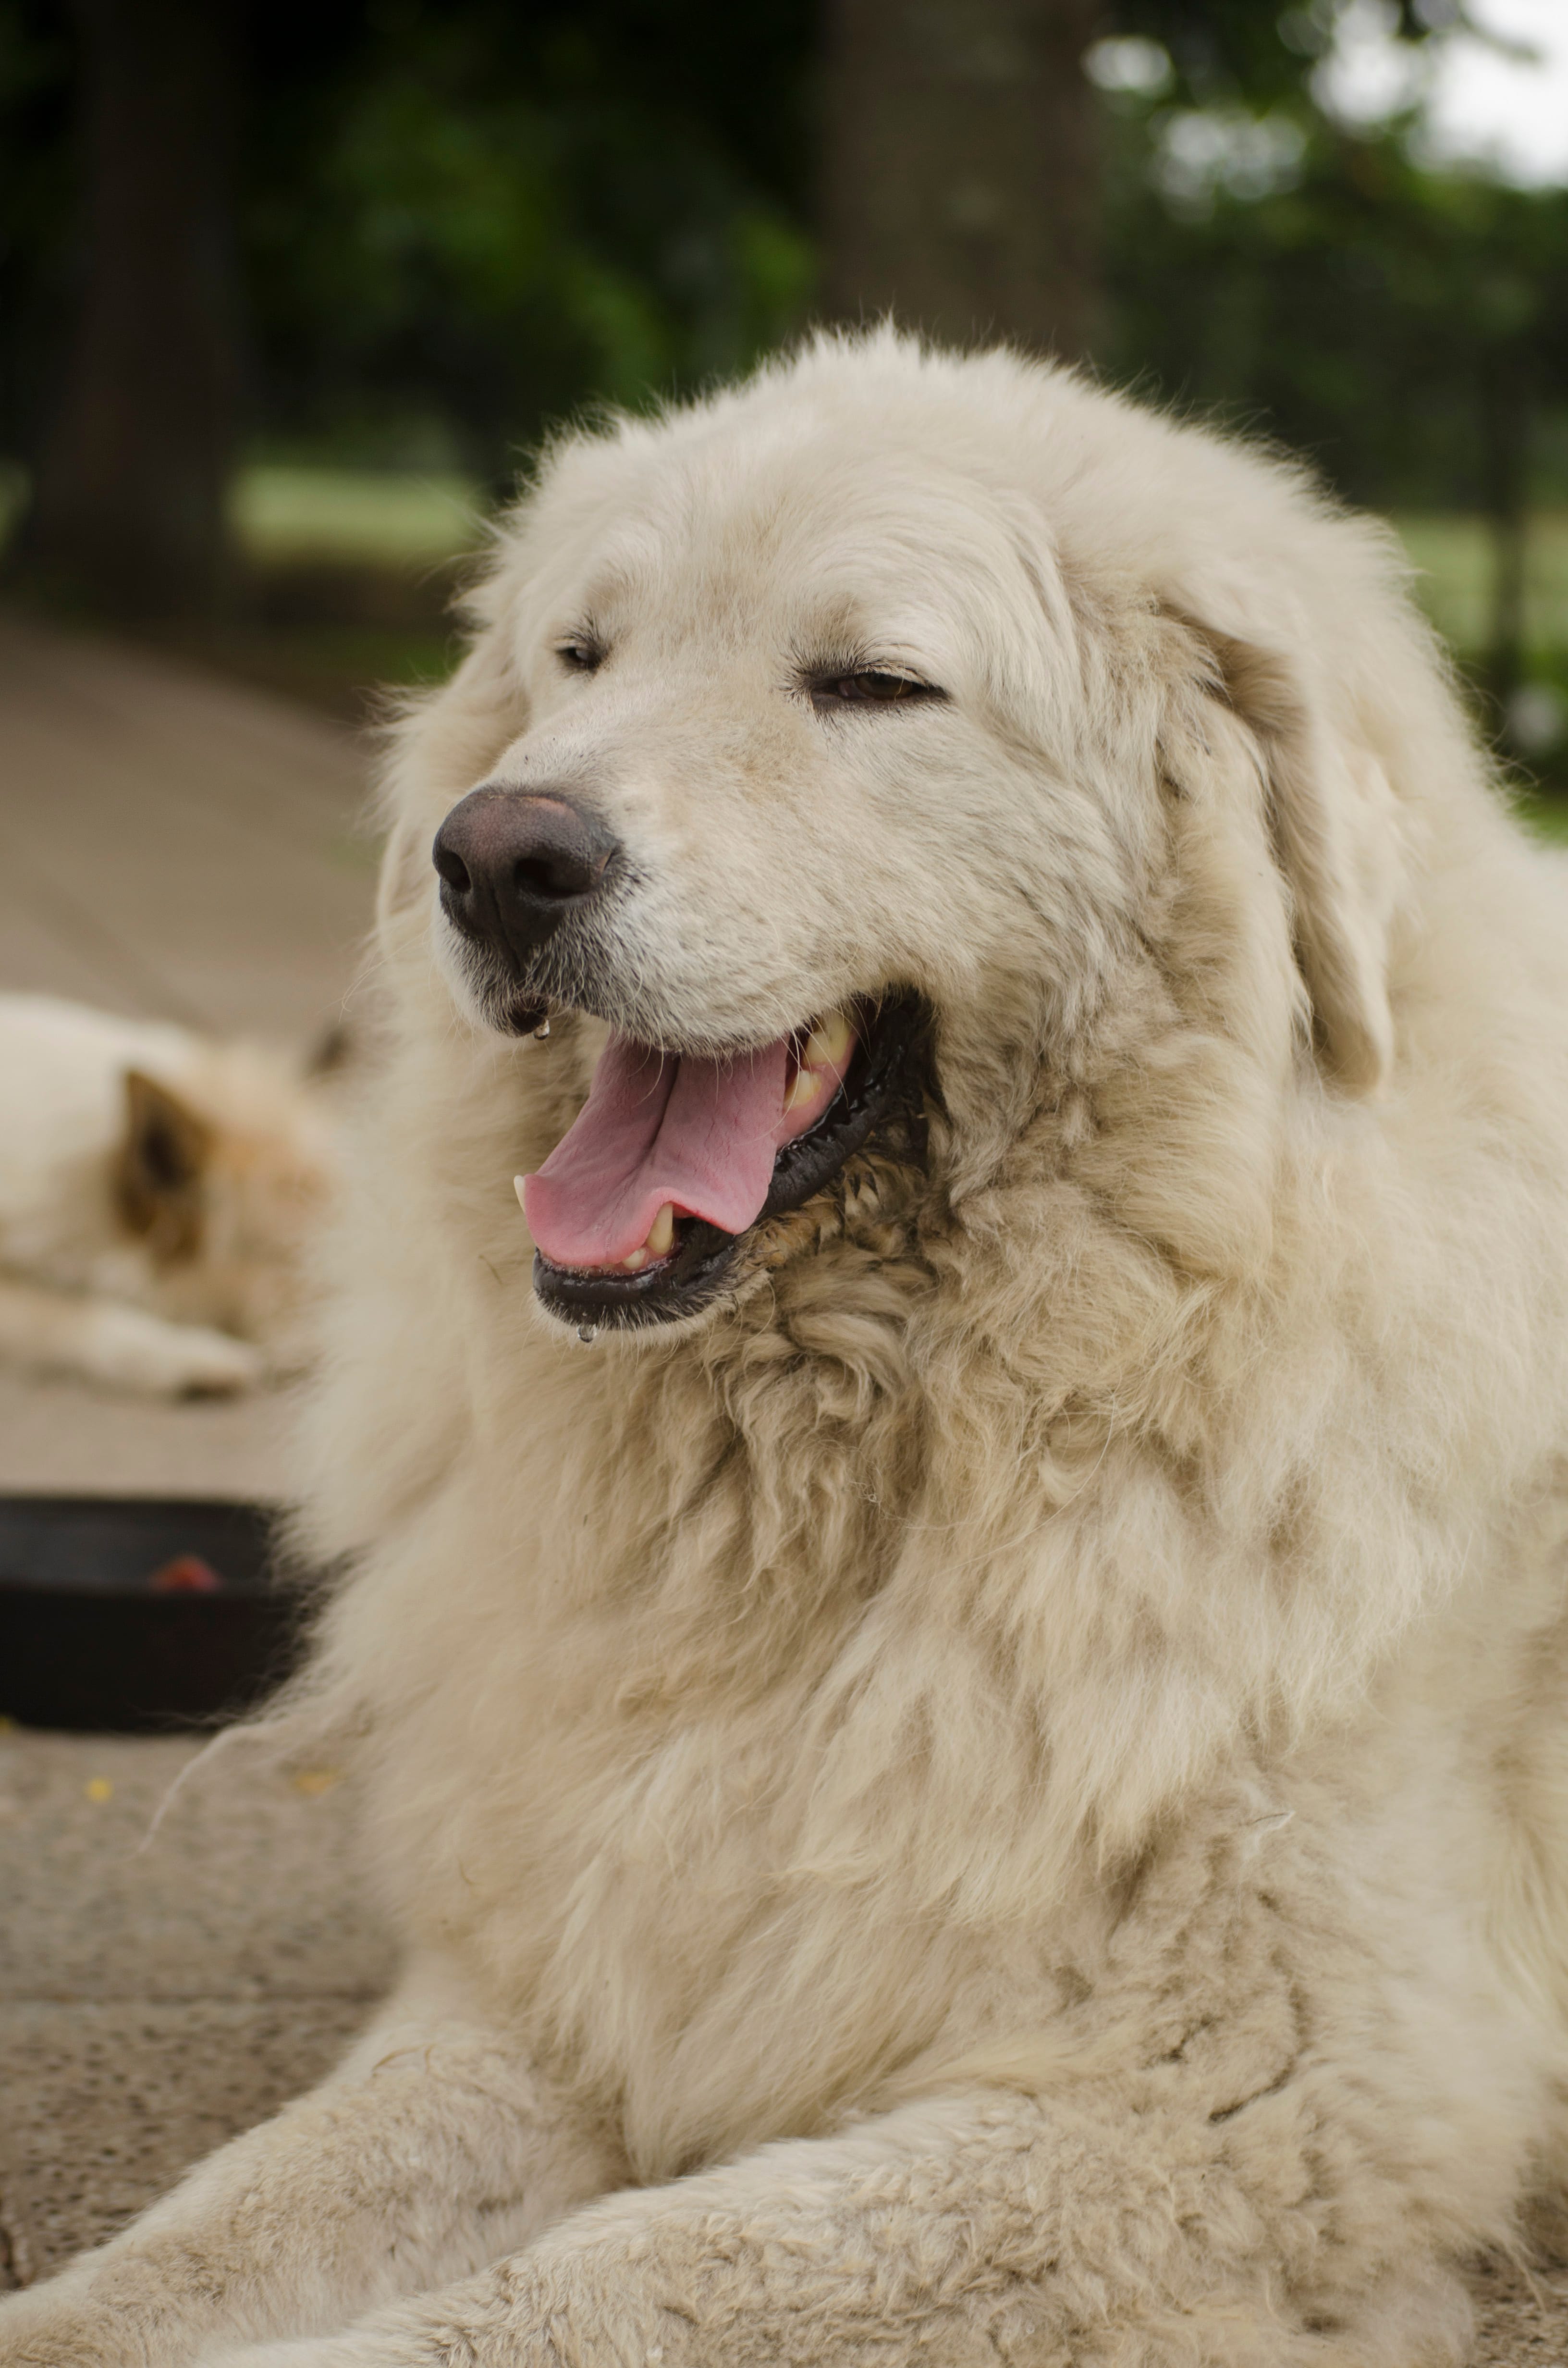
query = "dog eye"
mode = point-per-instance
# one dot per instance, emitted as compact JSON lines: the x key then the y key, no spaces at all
{"x":870,"y":687}
{"x":579,"y":653}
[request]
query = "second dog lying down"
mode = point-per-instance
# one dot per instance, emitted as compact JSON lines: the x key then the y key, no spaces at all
{"x":156,"y":1190}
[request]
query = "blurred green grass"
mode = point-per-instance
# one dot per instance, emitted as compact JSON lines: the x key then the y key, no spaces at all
{"x":1453,"y":557}
{"x":290,"y":515}
{"x":1547,"y":814}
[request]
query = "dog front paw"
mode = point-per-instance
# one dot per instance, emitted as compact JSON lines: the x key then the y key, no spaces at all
{"x":211,"y":1365}
{"x":132,"y":1350}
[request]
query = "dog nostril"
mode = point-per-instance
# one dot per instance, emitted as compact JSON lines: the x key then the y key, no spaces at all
{"x":556,"y":876}
{"x":451,"y":867}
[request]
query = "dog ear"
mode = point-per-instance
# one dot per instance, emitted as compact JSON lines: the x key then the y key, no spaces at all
{"x":1333,"y":821}
{"x":159,"y":1172}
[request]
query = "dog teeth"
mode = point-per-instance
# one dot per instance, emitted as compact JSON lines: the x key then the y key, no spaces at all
{"x":661,"y":1241}
{"x":804,"y":1087}
{"x":517,"y":1188}
{"x":827,"y":1046}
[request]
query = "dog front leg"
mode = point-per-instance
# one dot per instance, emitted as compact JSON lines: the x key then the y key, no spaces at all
{"x":1106,"y":2225}
{"x":432,"y":2149}
{"x":125,"y":1348}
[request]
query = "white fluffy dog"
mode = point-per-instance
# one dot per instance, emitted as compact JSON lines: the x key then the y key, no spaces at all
{"x":158,"y":1191}
{"x":982,"y":1774}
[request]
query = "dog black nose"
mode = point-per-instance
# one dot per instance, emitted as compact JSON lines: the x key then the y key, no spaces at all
{"x":514,"y":862}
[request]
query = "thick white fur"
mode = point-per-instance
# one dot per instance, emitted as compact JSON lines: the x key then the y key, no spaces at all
{"x":1005,"y":1795}
{"x":84,"y":1291}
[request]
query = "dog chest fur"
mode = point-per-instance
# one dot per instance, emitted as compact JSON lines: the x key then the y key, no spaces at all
{"x":823,"y":1674}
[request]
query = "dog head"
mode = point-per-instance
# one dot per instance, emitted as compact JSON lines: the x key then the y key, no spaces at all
{"x":220,"y":1181}
{"x":870,"y":754}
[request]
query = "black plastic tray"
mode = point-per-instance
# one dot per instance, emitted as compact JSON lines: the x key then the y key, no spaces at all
{"x":127,"y":1614}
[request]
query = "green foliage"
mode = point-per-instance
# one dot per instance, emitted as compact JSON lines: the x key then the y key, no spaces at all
{"x":37,"y":207}
{"x":459,"y":220}
{"x":1405,"y":327}
{"x":482,"y":216}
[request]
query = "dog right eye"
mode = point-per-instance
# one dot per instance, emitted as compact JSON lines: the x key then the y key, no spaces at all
{"x":870,"y":687}
{"x":579,"y":653}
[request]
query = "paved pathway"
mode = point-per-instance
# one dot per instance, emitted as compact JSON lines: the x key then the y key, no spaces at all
{"x":172,"y":845}
{"x":154,"y":2001}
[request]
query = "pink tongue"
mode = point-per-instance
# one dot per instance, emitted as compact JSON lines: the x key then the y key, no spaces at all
{"x":657,"y":1127}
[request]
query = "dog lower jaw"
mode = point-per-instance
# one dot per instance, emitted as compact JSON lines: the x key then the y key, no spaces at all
{"x":886,"y":1082}
{"x":686,"y":1283}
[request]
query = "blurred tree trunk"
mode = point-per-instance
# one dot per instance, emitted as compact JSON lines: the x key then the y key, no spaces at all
{"x":961,"y":181}
{"x":132,"y":476}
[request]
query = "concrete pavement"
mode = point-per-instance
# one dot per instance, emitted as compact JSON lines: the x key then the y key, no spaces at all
{"x":157,"y":1999}
{"x":172,"y":845}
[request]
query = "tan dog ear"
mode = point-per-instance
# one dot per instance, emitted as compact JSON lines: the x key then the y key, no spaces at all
{"x":159,"y":1172}
{"x":1333,"y":819}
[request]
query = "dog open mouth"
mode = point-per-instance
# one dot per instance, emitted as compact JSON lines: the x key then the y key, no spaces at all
{"x":676,"y":1158}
